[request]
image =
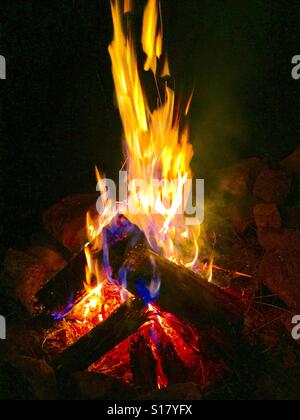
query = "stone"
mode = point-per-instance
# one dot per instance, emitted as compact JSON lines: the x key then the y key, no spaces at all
{"x":273,"y":186}
{"x":292,"y":163}
{"x":280,"y":272}
{"x":279,"y":239}
{"x":293,"y":217}
{"x":50,"y":258}
{"x":66,"y":221}
{"x":267,"y":216}
{"x":239,"y":179}
{"x":29,"y":271}
{"x":28,"y":379}
{"x":240,"y":213}
{"x":95,"y":386}
{"x":178,"y":392}
{"x":28,"y":275}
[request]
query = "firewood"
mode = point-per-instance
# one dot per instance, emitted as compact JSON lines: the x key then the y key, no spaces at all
{"x":183,"y":293}
{"x":67,"y":286}
{"x":142,"y":363}
{"x":103,"y":338}
{"x":188,"y":295}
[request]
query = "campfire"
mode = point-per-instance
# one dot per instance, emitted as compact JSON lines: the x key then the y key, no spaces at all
{"x":145,"y":291}
{"x":129,"y":287}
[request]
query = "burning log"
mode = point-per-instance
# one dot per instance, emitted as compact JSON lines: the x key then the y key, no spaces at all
{"x":143,"y":363}
{"x":183,"y":293}
{"x":188,"y":295}
{"x":103,"y":338}
{"x":66,"y":288}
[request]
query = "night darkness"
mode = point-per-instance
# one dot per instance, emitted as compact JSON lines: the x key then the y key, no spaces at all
{"x":59,"y":117}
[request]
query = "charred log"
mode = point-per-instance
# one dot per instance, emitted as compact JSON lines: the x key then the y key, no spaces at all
{"x":186,"y":294}
{"x":66,"y":288}
{"x":143,"y":364}
{"x":103,"y":338}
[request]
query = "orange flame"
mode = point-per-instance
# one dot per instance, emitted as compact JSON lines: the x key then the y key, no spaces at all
{"x":156,"y":149}
{"x":155,"y":145}
{"x":127,"y":6}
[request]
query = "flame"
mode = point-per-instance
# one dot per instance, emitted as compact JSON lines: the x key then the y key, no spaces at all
{"x":189,"y":103}
{"x":127,"y":6}
{"x":210,"y":272}
{"x":166,"y":69}
{"x":156,"y":147}
{"x":97,"y":278}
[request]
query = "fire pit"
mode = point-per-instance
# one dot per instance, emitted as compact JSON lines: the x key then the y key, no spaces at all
{"x":151,"y":256}
{"x":128,"y":295}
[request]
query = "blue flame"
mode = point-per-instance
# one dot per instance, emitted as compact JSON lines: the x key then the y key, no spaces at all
{"x":61,"y":313}
{"x":149,"y":293}
{"x":106,"y":262}
{"x":123,"y":275}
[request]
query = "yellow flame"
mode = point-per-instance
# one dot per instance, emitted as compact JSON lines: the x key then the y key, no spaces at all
{"x":188,"y":106}
{"x":94,"y":274}
{"x":159,"y":45}
{"x":156,"y":147}
{"x":166,"y":69}
{"x":149,"y":36}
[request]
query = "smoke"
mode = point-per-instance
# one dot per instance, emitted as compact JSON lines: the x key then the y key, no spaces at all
{"x":236,"y":54}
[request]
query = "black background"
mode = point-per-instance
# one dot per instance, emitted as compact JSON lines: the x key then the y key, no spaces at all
{"x":58,"y":115}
